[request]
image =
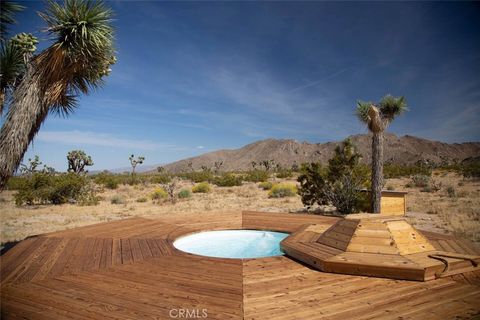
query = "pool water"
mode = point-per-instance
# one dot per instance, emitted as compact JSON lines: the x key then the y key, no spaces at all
{"x":237,"y":244}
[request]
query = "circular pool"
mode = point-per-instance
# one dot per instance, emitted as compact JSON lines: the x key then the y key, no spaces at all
{"x":236,"y":244}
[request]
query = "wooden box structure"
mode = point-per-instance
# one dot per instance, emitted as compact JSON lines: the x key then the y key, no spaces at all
{"x":394,"y":203}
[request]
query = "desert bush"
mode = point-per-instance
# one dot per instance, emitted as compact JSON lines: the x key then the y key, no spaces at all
{"x":170,"y":188}
{"x":142,"y":199}
{"x":267,"y":185}
{"x":88,"y":195}
{"x":107,"y":180}
{"x":284,"y":173}
{"x":46,"y":188}
{"x":471,"y":170}
{"x":390,"y":188}
{"x":161,"y":178}
{"x":312,"y":181}
{"x":451,"y":192}
{"x":398,"y":171}
{"x":344,"y":194}
{"x":158,"y":194}
{"x":202,"y":187}
{"x":421,"y":180}
{"x":338,"y":184}
{"x":282,"y":190}
{"x":256,"y":176}
{"x":227,"y":180}
{"x":118,"y":199}
{"x":184,"y":194}
{"x":197,"y":176}
{"x":16,"y":182}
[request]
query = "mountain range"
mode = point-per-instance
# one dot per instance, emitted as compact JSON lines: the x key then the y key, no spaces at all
{"x":404,"y":150}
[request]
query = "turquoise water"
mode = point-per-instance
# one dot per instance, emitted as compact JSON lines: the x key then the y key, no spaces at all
{"x":236,"y":244}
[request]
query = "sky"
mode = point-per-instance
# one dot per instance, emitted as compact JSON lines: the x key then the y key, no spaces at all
{"x":194,"y":77}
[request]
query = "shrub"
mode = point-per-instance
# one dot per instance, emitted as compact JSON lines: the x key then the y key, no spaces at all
{"x":390,"y":188}
{"x":117,"y":199}
{"x":399,"y":171}
{"x":142,"y":199}
{"x":197,"y":176}
{"x":312,"y":184}
{"x":451,"y":192}
{"x":158,"y":194}
{"x":46,"y":188}
{"x":228,"y":180}
{"x":16,"y":183}
{"x":184,"y":194}
{"x":344,"y":194}
{"x":257,"y":176}
{"x":202,"y":187}
{"x":267,"y":185}
{"x":161,"y":178}
{"x":421,"y":180}
{"x":108,"y":180}
{"x":471,"y":170}
{"x":88,"y":195}
{"x":282,"y":190}
{"x":339,"y":184}
{"x":284,"y":174}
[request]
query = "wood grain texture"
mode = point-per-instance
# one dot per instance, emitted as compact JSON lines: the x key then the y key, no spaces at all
{"x":129,"y":269}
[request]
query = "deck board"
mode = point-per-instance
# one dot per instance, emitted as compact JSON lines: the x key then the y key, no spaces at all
{"x":129,"y":269}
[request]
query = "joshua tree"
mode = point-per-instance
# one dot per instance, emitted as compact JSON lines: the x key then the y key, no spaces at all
{"x":218,"y":165}
{"x":32,"y":166}
{"x":377,"y":117}
{"x":78,"y":160}
{"x":76,"y":62}
{"x":135,"y":162}
{"x":254,"y":164}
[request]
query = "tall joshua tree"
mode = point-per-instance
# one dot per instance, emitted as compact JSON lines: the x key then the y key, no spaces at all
{"x":377,"y":117}
{"x":75,"y":63}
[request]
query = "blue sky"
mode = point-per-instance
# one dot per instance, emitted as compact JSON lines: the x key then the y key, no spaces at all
{"x":194,"y":77}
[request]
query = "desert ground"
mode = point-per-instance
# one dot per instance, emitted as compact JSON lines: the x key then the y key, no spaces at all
{"x":455,"y":212}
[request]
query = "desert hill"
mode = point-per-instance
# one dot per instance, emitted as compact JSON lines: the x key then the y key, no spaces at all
{"x":403,"y":150}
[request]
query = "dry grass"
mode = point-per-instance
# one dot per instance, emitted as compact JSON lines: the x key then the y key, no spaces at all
{"x":435,"y":211}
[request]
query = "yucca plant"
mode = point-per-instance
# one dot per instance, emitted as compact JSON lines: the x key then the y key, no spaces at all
{"x":75,"y":63}
{"x":377,"y":117}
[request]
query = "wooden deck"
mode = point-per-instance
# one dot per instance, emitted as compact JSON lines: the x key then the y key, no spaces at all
{"x":129,"y":270}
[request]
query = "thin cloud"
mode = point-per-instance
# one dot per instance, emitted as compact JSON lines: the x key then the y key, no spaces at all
{"x":98,"y":139}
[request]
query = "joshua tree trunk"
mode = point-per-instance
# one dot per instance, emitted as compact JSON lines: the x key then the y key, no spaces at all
{"x":377,"y":170}
{"x":2,"y":101}
{"x":25,"y":116}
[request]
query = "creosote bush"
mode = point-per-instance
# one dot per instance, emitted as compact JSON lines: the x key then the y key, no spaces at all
{"x":184,"y":194}
{"x":227,"y":180}
{"x":282,"y":190}
{"x":107,"y":180}
{"x":117,"y":199}
{"x":158,"y":194}
{"x":142,"y":199}
{"x":257,"y":176}
{"x":421,"y":180}
{"x":267,"y":185}
{"x":202,"y":187}
{"x":47,"y":188}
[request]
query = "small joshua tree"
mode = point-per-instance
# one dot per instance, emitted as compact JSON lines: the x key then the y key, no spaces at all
{"x":78,"y":160}
{"x":32,"y":166}
{"x":218,"y":165}
{"x":170,"y":189}
{"x":160,"y":169}
{"x":135,"y":162}
{"x":254,"y":164}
